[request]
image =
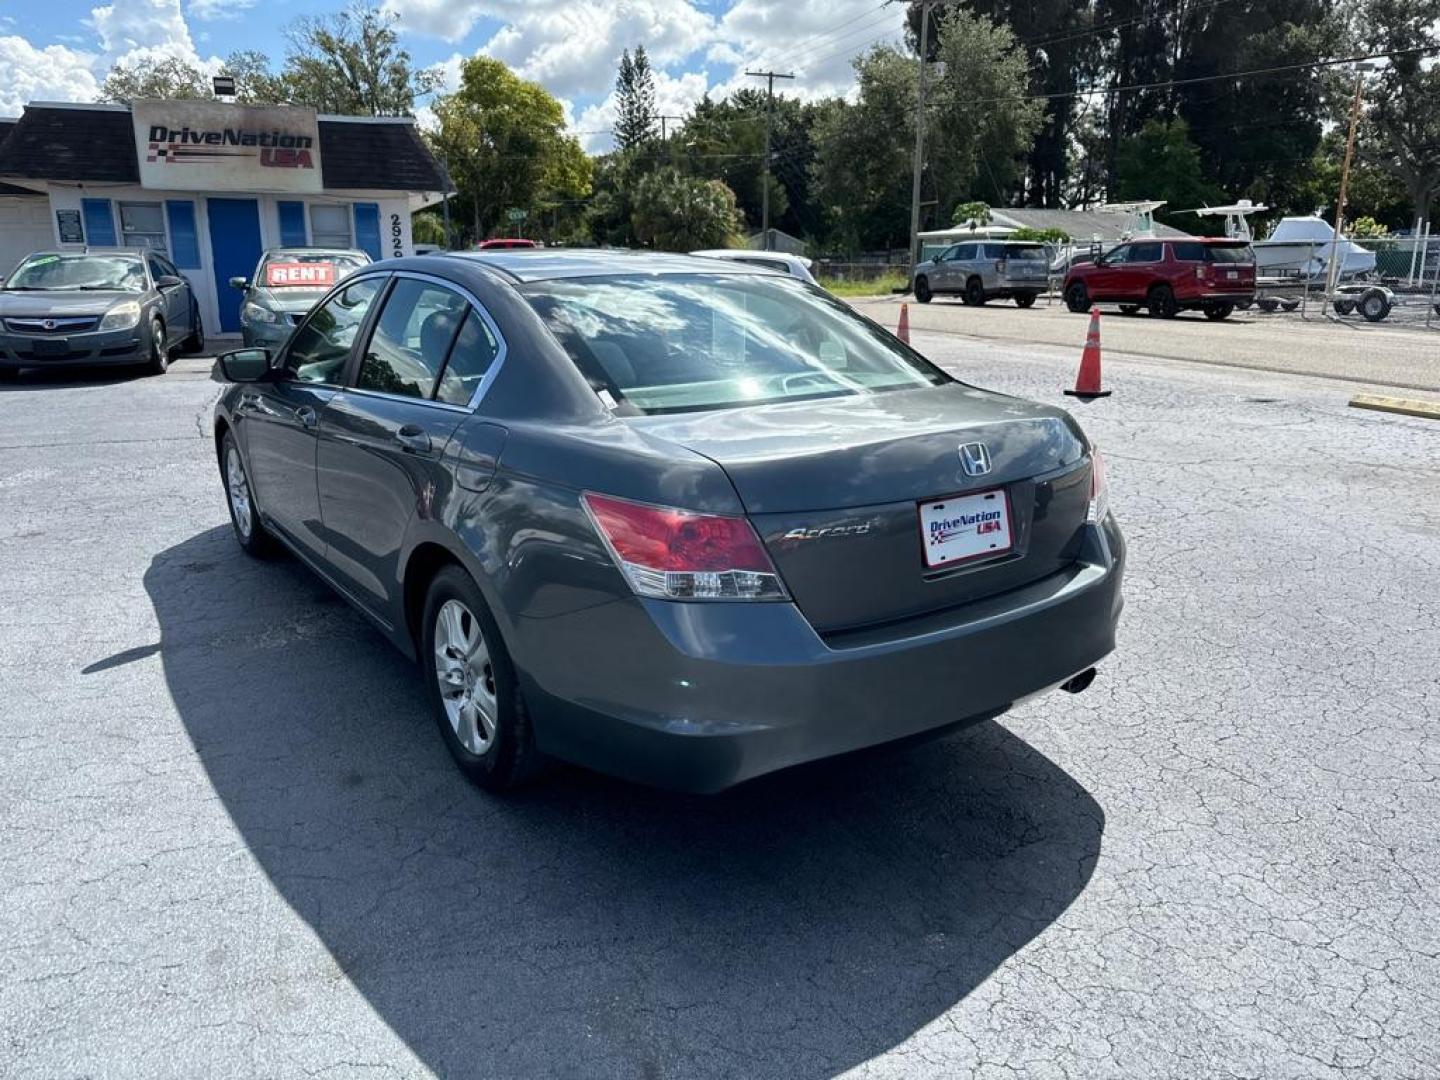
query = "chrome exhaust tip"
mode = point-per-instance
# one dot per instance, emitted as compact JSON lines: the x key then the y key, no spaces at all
{"x":1079,"y":682}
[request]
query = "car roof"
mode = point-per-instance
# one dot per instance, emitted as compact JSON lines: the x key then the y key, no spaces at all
{"x":544,"y":264}
{"x":301,"y":249}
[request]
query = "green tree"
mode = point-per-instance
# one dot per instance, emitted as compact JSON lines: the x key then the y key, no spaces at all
{"x":861,"y":170}
{"x":171,"y":78}
{"x":973,"y":213}
{"x":1401,"y":131}
{"x":1162,"y":163}
{"x":635,"y":119}
{"x":428,"y":227}
{"x":174,"y":79}
{"x":351,"y":63}
{"x":1060,"y":49}
{"x":675,"y":212}
{"x":503,"y":140}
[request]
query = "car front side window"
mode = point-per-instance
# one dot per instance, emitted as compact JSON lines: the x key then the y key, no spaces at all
{"x":321,"y":347}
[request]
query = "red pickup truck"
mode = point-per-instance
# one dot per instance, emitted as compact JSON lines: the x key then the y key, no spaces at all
{"x":1166,"y":276}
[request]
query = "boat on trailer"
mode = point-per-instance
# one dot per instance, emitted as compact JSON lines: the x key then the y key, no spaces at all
{"x":1297,"y":247}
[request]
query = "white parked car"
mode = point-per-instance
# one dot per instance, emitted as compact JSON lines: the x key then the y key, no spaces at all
{"x":797,"y":266}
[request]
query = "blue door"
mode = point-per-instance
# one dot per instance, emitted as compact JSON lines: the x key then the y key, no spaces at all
{"x":234,"y":250}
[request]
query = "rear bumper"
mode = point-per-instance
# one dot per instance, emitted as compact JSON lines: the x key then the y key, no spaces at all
{"x":81,"y":350}
{"x":1234,"y":296}
{"x":699,"y":697}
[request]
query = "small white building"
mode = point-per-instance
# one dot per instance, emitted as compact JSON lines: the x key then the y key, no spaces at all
{"x":211,"y":184}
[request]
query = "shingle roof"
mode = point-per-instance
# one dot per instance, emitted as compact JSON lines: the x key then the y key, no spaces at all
{"x":97,"y":145}
{"x":368,"y":154}
{"x":55,"y":143}
{"x":1077,"y":224}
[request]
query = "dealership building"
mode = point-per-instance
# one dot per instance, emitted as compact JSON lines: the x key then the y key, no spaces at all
{"x":211,"y":184}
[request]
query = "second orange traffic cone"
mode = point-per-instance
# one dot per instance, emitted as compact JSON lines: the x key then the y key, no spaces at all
{"x":903,"y":330}
{"x":1087,"y":382}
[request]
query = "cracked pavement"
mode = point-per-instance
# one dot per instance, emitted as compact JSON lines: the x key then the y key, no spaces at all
{"x":231,"y":843}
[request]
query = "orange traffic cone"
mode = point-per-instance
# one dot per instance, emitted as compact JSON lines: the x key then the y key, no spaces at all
{"x":903,"y":330}
{"x":1087,"y":383}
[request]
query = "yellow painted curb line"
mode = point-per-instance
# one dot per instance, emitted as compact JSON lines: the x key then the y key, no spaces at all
{"x":1430,"y":410}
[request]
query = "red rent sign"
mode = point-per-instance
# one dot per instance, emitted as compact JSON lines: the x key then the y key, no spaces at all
{"x":313,"y":275}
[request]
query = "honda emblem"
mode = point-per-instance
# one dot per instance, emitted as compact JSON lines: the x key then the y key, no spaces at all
{"x":975,"y":458}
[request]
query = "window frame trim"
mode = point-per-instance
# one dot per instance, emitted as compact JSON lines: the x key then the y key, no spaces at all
{"x":362,"y":341}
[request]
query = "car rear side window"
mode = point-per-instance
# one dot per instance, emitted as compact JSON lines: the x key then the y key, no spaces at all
{"x":471,"y":357}
{"x":1188,"y":252}
{"x":412,"y":339}
{"x":320,"y":348}
{"x":1230,"y":253}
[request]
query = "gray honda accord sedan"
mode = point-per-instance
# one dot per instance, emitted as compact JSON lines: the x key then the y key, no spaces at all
{"x":677,"y":520}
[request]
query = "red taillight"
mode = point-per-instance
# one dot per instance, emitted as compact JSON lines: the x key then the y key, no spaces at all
{"x":681,"y":555}
{"x":1099,"y":489}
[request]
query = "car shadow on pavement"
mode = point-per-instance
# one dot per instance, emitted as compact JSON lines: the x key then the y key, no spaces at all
{"x":795,"y":926}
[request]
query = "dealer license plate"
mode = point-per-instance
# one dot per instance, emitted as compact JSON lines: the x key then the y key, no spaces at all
{"x":965,"y":527}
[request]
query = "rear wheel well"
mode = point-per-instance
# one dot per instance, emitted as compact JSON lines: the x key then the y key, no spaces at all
{"x":426,"y":561}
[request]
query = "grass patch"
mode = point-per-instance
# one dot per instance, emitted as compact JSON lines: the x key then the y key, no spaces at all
{"x":879,"y":286}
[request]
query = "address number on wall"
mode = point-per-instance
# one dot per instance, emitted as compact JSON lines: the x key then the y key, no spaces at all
{"x":397,"y":243}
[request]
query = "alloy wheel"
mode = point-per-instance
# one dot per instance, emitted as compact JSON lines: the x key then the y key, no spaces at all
{"x":465,"y":676}
{"x":239,"y":492}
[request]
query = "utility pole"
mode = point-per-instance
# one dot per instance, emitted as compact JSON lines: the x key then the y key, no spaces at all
{"x":1332,"y":272}
{"x":770,"y":77}
{"x":918,"y":166}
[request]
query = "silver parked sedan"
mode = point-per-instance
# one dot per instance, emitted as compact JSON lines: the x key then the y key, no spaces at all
{"x":678,"y":519}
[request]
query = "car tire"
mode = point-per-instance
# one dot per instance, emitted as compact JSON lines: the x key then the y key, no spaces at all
{"x":1129,"y":309}
{"x":975,"y":292}
{"x":1289,"y":305}
{"x":195,"y":343}
{"x":1216,"y":312}
{"x":470,"y":696}
{"x":922,"y":290}
{"x":159,"y":359}
{"x":250,"y":534}
{"x":1344,"y":307}
{"x":1374,"y":305}
{"x":1161,"y":302}
{"x":1077,"y":298}
{"x":1025,"y":300}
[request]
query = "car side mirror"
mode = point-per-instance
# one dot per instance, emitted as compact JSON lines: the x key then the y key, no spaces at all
{"x":245,"y":365}
{"x":239,"y":283}
{"x":168,"y":281}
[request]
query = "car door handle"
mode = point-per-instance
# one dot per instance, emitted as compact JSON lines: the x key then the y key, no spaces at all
{"x":306,"y":415}
{"x":413,"y":438}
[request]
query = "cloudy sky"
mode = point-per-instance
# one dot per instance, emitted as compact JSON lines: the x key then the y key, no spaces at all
{"x":60,"y":49}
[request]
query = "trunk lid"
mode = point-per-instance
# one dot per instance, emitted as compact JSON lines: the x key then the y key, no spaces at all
{"x":834,"y":488}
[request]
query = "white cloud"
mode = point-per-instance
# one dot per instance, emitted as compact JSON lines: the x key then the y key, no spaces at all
{"x":54,"y":73}
{"x":135,"y":30}
{"x":217,"y":10}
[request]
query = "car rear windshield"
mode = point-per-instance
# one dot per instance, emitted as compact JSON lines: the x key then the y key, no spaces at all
{"x":692,"y":342}
{"x":1016,"y":252}
{"x":110,"y":273}
{"x":307,"y":269}
{"x":1192,"y":251}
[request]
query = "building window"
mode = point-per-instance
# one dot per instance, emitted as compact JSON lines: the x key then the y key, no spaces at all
{"x":330,"y":227}
{"x":142,"y":225}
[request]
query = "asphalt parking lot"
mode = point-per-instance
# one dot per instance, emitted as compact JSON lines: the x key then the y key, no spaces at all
{"x":231,"y":843}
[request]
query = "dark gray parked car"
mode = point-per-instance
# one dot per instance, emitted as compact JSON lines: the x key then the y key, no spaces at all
{"x":678,"y":520}
{"x":62,"y":308}
{"x":981,"y":270}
